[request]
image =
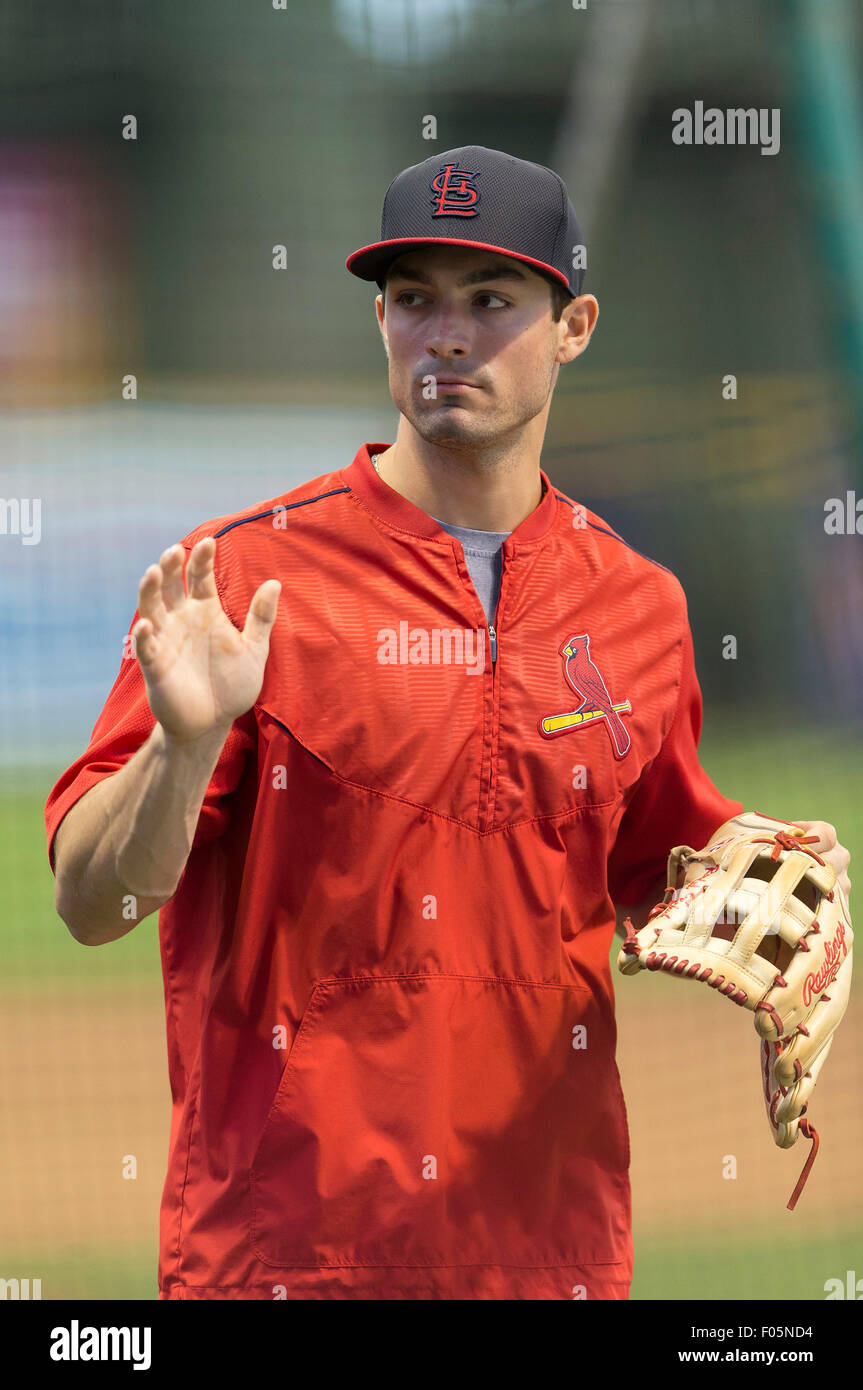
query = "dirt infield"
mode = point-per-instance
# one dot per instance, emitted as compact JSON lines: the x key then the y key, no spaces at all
{"x":84,"y":1097}
{"x":85,"y":1094}
{"x":691,"y":1077}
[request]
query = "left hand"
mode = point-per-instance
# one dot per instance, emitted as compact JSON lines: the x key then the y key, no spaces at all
{"x":828,"y":846}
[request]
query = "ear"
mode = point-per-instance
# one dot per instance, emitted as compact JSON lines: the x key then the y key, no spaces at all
{"x":577,"y":323}
{"x":382,"y":323}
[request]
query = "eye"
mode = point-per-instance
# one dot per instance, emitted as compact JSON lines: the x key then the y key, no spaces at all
{"x":407,"y":294}
{"x":487,"y":294}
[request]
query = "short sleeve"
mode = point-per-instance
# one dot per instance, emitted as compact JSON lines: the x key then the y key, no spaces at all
{"x":126,"y":723}
{"x":674,"y":803}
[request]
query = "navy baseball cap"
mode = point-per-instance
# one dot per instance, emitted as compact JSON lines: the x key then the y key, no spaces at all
{"x":478,"y":197}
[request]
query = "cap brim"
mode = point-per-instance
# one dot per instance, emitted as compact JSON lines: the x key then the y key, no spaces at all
{"x":371,"y":262}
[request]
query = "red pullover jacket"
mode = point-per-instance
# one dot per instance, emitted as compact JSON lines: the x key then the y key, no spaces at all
{"x":389,"y":1006}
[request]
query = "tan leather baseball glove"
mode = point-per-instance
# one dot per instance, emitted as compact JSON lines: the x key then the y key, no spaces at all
{"x":760,"y":918}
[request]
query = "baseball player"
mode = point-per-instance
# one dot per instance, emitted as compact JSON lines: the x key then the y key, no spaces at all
{"x":392,"y":747}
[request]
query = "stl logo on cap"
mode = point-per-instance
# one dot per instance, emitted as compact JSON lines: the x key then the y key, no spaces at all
{"x":457,"y":193}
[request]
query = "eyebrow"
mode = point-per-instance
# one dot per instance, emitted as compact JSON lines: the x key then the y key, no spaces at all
{"x":474,"y":277}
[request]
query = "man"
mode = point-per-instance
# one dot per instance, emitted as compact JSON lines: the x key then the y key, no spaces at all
{"x":391,"y":749}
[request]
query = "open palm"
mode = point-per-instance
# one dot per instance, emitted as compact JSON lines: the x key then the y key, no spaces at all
{"x":200,"y":672}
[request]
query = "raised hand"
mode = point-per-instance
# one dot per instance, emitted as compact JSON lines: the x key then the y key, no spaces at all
{"x":200,"y":672}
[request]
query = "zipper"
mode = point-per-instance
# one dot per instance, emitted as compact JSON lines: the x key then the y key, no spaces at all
{"x":491,"y":738}
{"x":489,"y":782}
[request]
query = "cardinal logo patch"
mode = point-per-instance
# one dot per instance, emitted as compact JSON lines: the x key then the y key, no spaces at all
{"x":597,"y":706}
{"x":457,"y":194}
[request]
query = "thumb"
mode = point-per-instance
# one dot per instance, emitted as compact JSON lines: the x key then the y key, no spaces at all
{"x":262,"y":612}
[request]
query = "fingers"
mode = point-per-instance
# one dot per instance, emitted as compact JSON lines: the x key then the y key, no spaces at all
{"x":150,"y":602}
{"x":828,"y":846}
{"x":171,"y":565}
{"x":840,"y":864}
{"x":262,"y":612}
{"x":162,"y":591}
{"x":840,"y":858}
{"x":825,"y":832}
{"x":200,"y":575}
{"x":145,"y":641}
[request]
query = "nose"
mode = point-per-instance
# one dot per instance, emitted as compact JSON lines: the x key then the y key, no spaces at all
{"x":447,"y":334}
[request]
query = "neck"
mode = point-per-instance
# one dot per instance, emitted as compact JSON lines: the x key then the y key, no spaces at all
{"x":488,"y":490}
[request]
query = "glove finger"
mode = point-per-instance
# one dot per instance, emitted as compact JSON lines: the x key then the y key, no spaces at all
{"x":792,"y":1104}
{"x":788,"y":1004}
{"x":628,"y":963}
{"x":786,"y":1106}
{"x":798,"y":1055}
{"x":785,"y":1135}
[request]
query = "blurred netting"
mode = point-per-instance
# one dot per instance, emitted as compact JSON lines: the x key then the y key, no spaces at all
{"x":155,"y":370}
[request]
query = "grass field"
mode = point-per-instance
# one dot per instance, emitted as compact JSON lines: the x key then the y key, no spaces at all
{"x":737,"y":1268}
{"x":84,"y":1082}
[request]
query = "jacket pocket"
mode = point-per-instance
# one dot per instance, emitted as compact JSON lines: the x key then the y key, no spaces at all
{"x":428,"y":1120}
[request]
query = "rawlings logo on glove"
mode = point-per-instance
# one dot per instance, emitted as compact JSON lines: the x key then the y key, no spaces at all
{"x":760,"y":918}
{"x":834,"y":951}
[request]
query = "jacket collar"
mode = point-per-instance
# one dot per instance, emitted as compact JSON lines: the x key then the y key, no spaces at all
{"x":399,"y":512}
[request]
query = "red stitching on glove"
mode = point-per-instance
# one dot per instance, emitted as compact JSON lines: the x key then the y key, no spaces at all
{"x":630,"y":945}
{"x":783,"y":840}
{"x":777,"y":1021}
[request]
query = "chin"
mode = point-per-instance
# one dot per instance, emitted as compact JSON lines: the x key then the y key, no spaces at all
{"x":451,"y":425}
{"x":449,"y":432}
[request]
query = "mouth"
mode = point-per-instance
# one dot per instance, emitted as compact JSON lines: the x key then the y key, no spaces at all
{"x":453,"y":385}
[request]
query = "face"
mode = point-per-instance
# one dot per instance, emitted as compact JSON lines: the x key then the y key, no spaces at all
{"x":455,"y":312}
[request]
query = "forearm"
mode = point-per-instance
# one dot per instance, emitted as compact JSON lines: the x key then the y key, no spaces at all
{"x":121,"y":850}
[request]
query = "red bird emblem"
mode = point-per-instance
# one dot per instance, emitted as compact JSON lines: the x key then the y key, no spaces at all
{"x":596,"y":705}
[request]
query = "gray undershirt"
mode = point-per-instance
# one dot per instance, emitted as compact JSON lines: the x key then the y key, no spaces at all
{"x":481,"y":555}
{"x":483,"y":559}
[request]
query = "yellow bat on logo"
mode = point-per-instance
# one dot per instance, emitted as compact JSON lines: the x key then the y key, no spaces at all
{"x":554,"y":722}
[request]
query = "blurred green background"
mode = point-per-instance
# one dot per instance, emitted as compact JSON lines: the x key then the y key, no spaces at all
{"x":153,"y":258}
